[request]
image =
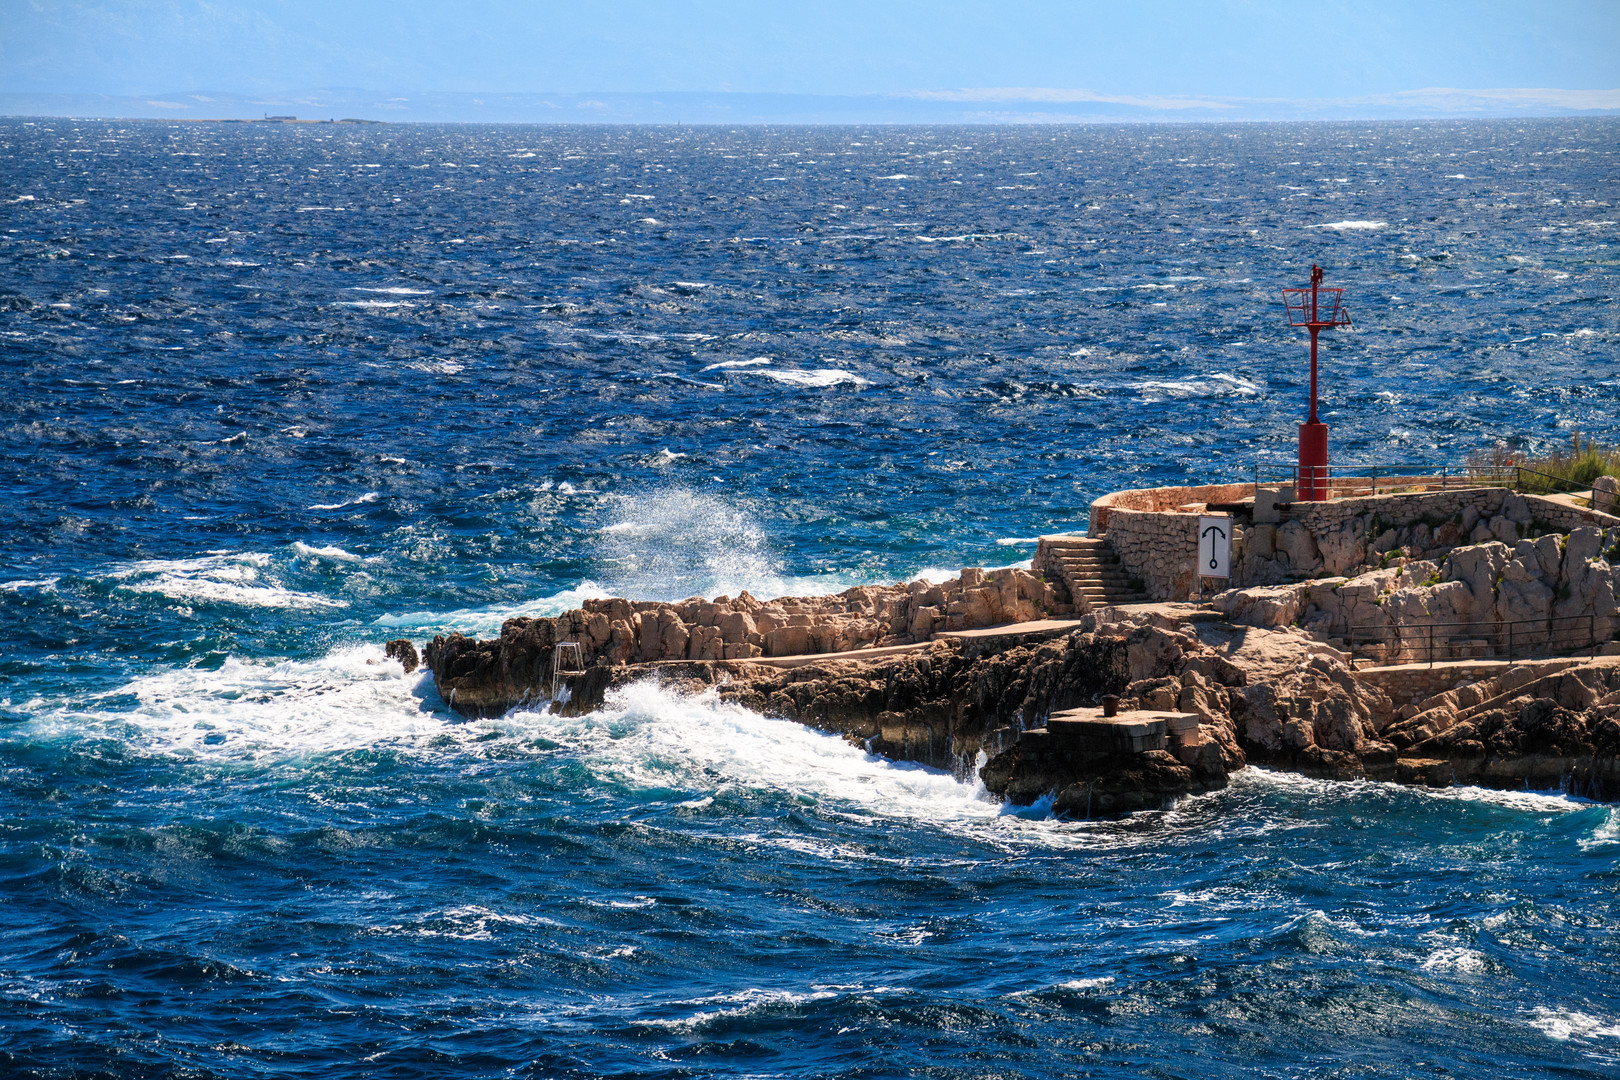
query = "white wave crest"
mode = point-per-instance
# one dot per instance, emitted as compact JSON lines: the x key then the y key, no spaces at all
{"x":349,"y":699}
{"x":728,"y":364}
{"x":740,"y":1002}
{"x":1562,"y":1024}
{"x":648,"y":737}
{"x":240,"y":579}
{"x":1466,"y":961}
{"x":361,"y":500}
{"x":35,"y":583}
{"x":392,"y":290}
{"x":1606,"y":833}
{"x":1219,"y":384}
{"x":1341,"y":226}
{"x":336,"y":554}
{"x":815,"y":379}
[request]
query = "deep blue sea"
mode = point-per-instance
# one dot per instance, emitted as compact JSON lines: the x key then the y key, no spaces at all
{"x":277,"y":394}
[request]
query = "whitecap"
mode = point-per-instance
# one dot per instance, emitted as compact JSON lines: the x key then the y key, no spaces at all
{"x":1466,"y":961}
{"x":815,"y":379}
{"x":1563,"y":1024}
{"x":651,"y":738}
{"x":665,"y":457}
{"x":1340,"y":226}
{"x":728,"y":364}
{"x":688,"y":380}
{"x":1607,"y":832}
{"x":1219,"y":384}
{"x":368,"y":497}
{"x":38,"y":583}
{"x":896,"y":176}
{"x":1071,"y":984}
{"x":336,"y":554}
{"x":238,"y":579}
{"x":351,"y":698}
{"x":375,"y":305}
{"x":1016,"y":541}
{"x":436,"y":367}
{"x":744,"y":1003}
{"x":391,"y":290}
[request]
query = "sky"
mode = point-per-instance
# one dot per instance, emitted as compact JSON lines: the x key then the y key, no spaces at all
{"x":1144,"y":49}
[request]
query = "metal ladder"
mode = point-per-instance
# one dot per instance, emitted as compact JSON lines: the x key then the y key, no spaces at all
{"x":566,"y":659}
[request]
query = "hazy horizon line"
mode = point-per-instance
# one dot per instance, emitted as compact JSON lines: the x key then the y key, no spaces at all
{"x":972,"y":105}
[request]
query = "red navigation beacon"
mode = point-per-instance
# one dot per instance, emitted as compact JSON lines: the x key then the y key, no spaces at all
{"x":1316,"y":309}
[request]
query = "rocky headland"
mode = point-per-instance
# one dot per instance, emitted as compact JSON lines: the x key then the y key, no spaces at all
{"x":998,"y":673}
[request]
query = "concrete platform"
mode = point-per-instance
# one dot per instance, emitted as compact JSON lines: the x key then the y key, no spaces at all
{"x":805,"y":659}
{"x":1128,"y":733}
{"x":1040,"y":630}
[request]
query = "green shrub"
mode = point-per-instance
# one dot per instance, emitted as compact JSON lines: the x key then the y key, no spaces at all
{"x":1573,"y":469}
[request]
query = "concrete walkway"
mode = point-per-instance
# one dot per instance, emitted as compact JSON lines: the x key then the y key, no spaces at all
{"x":1040,"y":630}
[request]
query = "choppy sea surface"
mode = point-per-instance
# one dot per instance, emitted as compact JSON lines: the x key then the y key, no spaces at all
{"x":277,"y":394}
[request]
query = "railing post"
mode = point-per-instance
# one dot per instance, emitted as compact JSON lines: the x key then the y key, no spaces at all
{"x":1431,"y":645}
{"x":1510,"y":641}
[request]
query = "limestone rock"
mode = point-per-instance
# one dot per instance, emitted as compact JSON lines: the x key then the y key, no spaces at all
{"x":1606,"y":495}
{"x":1295,"y":543}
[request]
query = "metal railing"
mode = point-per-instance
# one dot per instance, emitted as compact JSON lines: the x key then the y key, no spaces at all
{"x":1350,"y":480}
{"x":1428,"y":643}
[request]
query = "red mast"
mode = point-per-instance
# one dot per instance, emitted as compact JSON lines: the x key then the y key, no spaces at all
{"x":1316,"y":309}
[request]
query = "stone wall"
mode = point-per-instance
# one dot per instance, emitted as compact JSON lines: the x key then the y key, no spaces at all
{"x":1154,"y":531}
{"x":1159,"y":549}
{"x":1156,"y":500}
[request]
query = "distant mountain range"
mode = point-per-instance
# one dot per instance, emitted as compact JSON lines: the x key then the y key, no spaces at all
{"x":985,"y":106}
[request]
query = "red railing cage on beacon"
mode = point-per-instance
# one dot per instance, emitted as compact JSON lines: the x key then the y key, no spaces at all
{"x":1315,"y":309}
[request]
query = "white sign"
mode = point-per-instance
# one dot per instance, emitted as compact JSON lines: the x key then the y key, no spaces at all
{"x":1215,"y":547}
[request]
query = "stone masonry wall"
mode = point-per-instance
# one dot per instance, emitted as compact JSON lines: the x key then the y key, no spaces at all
{"x":1156,"y":540}
{"x":1153,"y":500}
{"x":1157,"y":548}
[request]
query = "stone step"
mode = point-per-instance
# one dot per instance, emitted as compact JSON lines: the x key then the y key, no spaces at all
{"x":1091,"y":572}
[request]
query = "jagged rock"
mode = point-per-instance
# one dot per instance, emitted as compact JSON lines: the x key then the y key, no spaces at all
{"x":1271,"y":692}
{"x":403,"y":651}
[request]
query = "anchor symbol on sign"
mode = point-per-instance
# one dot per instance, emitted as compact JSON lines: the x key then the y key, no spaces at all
{"x":1214,"y":563}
